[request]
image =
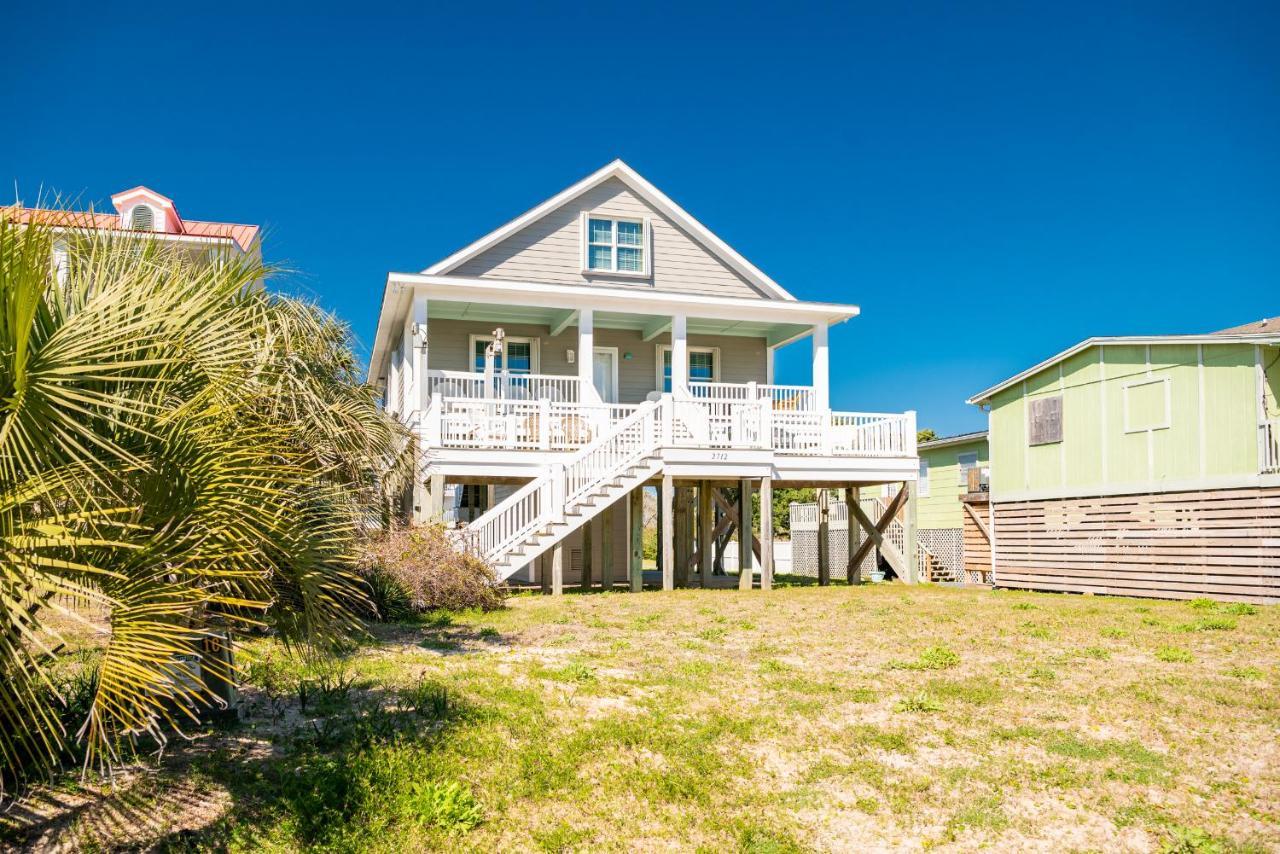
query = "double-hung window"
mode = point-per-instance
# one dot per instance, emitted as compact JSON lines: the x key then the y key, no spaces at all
{"x":703,"y":365}
{"x":516,"y":356}
{"x":616,"y":246}
{"x":922,"y":483}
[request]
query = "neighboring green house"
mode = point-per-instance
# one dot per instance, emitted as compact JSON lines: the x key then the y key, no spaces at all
{"x":1141,"y":465}
{"x":944,"y":475}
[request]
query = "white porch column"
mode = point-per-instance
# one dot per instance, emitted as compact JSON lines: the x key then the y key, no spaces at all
{"x":821,"y":368}
{"x":408,"y":402}
{"x":679,"y":352}
{"x":391,"y":397}
{"x":769,"y":353}
{"x":586,"y":354}
{"x":422,"y":391}
{"x":428,"y":501}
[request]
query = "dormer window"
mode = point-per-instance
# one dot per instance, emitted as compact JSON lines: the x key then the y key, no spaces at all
{"x":142,"y":218}
{"x":616,"y":245}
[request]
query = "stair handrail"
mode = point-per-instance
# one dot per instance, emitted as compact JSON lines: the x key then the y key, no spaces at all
{"x":631,"y":439}
{"x":534,"y":504}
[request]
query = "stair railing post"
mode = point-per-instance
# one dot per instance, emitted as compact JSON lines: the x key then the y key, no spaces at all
{"x":668,"y":420}
{"x":766,"y":423}
{"x":825,"y":431}
{"x":558,"y":493}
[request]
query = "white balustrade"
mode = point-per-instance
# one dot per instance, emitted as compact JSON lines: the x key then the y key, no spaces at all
{"x":708,"y":415}
{"x":784,"y":397}
{"x":504,"y":386}
{"x":545,"y":499}
{"x":522,"y":513}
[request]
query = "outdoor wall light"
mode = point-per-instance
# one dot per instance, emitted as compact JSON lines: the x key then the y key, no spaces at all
{"x":568,"y":356}
{"x":627,"y":356}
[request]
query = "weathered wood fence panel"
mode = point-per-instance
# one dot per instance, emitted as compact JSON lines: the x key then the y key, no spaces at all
{"x":1220,"y":543}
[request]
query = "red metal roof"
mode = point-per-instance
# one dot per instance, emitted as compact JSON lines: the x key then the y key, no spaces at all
{"x":243,"y":235}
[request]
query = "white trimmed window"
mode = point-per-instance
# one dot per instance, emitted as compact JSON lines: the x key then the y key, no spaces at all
{"x":922,"y":482}
{"x":518,"y":356}
{"x":704,"y":365}
{"x":615,"y":245}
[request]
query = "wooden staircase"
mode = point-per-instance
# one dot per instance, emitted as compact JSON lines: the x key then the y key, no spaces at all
{"x":567,"y":495}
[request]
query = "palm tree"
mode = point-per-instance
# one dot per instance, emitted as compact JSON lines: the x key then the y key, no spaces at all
{"x":181,"y":451}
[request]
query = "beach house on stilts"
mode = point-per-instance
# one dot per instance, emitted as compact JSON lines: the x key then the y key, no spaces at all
{"x":604,"y":342}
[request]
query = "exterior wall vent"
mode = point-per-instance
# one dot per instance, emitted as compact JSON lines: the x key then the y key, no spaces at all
{"x":142,"y":218}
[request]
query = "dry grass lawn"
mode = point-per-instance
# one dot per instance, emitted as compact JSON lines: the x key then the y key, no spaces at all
{"x":872,"y":718}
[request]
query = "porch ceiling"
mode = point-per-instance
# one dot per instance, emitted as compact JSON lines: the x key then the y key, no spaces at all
{"x":776,"y":333}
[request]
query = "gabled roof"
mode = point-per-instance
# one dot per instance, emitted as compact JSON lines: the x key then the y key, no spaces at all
{"x":643,"y":189}
{"x":1226,"y":336}
{"x":150,"y":194}
{"x":947,"y":441}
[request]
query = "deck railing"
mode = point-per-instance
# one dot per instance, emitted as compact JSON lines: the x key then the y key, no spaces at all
{"x":1269,"y":446}
{"x":504,"y":386}
{"x":531,"y":425}
{"x":874,"y":434}
{"x":518,"y":425}
{"x":782,"y":397}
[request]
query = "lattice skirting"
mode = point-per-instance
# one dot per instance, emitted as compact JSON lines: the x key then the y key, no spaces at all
{"x":804,"y":554}
{"x":947,"y":544}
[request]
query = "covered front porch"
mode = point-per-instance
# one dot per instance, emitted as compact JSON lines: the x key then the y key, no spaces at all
{"x":564,"y":374}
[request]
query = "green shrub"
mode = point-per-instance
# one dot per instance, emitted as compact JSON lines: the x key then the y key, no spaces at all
{"x":421,"y":569}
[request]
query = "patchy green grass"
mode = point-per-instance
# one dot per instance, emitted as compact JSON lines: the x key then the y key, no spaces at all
{"x":872,"y":718}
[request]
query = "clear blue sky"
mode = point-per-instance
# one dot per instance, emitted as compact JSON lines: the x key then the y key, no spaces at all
{"x":990,"y":182}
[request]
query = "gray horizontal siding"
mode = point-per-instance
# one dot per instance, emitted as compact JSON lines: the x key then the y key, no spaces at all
{"x":742,"y":359}
{"x":550,"y":251}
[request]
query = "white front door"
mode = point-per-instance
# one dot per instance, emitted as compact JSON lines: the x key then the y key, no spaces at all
{"x":604,"y":373}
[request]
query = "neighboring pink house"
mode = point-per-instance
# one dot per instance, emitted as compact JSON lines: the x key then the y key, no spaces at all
{"x":144,"y":210}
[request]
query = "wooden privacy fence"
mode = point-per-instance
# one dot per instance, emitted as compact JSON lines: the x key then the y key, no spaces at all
{"x":977,"y":537}
{"x":1222,"y":543}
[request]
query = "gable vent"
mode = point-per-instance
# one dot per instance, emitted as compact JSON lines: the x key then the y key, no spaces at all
{"x":142,"y":218}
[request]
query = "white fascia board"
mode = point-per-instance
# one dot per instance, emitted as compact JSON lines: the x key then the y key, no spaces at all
{"x":651,"y":194}
{"x":163,"y":236}
{"x":395,"y":302}
{"x":622,"y":299}
{"x":948,"y":441}
{"x":1139,"y":340}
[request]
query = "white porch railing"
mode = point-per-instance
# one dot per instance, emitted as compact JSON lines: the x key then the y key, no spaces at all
{"x":1269,"y":446}
{"x":518,"y":425}
{"x":531,"y":425}
{"x":503,"y":386}
{"x":844,"y":433}
{"x":783,"y":397}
